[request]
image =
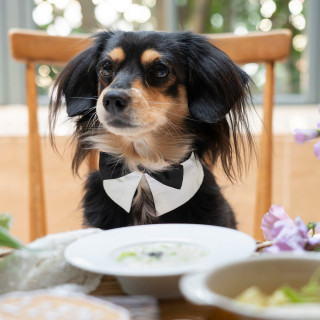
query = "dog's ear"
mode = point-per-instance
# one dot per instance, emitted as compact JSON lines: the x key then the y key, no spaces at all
{"x":216,"y":84}
{"x":78,"y":82}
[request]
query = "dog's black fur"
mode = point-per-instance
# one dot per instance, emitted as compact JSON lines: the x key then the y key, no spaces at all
{"x":189,"y":69}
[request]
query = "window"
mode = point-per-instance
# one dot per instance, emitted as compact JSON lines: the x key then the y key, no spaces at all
{"x":297,"y":80}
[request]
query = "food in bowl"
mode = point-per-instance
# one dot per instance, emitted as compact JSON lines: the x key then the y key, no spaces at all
{"x":160,"y":254}
{"x":46,"y":304}
{"x":220,"y":287}
{"x":309,"y":293}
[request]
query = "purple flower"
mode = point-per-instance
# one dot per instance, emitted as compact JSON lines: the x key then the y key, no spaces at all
{"x":302,"y":228}
{"x":303,"y":135}
{"x":286,"y":234}
{"x":276,"y":213}
{"x":287,"y":237}
{"x":313,"y":241}
{"x":316,"y":150}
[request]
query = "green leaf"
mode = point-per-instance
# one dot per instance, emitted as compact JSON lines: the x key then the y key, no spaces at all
{"x":6,"y":220}
{"x":312,"y":288}
{"x":126,"y":254}
{"x":311,"y":226}
{"x":6,"y":240}
{"x":293,"y":295}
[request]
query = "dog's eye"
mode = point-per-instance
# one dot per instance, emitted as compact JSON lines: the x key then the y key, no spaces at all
{"x":106,"y":69}
{"x":160,"y":70}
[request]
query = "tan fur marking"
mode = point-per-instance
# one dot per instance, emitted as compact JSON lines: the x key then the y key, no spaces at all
{"x":161,"y":138}
{"x":117,"y":54}
{"x":150,"y":56}
{"x":159,"y":107}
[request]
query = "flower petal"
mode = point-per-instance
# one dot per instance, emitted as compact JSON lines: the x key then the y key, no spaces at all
{"x":276,"y":213}
{"x":279,"y":212}
{"x":267,"y":223}
{"x":303,"y":229}
{"x":316,"y":150}
{"x":278,"y":228}
{"x":313,"y":241}
{"x":287,"y":237}
{"x":303,"y":135}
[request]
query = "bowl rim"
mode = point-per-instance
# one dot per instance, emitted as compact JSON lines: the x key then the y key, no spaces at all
{"x":202,"y":295}
{"x":185,"y":233}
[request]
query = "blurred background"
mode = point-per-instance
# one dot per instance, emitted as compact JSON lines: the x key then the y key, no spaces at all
{"x":297,"y":86}
{"x":296,"y":79}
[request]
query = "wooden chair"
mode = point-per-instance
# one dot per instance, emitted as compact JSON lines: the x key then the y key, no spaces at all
{"x":35,"y":47}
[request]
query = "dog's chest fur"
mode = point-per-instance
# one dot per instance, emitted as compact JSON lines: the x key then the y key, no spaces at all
{"x":143,"y":209}
{"x":155,"y":153}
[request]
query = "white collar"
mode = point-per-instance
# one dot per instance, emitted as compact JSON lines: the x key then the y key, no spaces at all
{"x":166,"y":199}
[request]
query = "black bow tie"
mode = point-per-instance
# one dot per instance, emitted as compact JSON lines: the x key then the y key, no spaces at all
{"x":112,"y":168}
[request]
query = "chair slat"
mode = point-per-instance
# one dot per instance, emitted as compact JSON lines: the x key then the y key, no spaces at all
{"x":264,"y":178}
{"x":256,"y":47}
{"x":39,"y":47}
{"x":37,"y":214}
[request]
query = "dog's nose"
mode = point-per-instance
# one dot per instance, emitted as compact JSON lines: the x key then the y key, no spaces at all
{"x":115,"y":101}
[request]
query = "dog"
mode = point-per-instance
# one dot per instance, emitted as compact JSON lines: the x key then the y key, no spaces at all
{"x":161,"y":108}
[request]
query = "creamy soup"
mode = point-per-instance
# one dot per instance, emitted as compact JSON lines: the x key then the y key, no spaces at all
{"x":160,"y":254}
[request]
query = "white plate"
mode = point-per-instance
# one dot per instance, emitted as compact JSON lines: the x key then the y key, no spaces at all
{"x":96,"y":253}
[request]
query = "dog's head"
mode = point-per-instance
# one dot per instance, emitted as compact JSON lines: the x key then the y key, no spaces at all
{"x":160,"y":95}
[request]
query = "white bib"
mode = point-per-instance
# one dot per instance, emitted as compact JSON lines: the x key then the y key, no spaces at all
{"x":166,"y":199}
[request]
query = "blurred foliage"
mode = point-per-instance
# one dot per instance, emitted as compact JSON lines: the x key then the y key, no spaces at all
{"x":241,"y":16}
{"x":203,"y":16}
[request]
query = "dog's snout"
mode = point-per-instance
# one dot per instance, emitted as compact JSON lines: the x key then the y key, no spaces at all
{"x":115,"y":101}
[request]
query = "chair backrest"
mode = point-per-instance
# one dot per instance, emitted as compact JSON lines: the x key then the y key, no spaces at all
{"x":35,"y":47}
{"x":265,"y":48}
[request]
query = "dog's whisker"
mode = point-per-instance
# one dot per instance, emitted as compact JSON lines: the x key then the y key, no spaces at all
{"x":168,"y":132}
{"x":91,"y":121}
{"x":87,"y":98}
{"x":173,"y":127}
{"x":96,"y":121}
{"x":166,"y":120}
{"x":177,"y":115}
{"x":88,"y":111}
{"x":94,"y":118}
{"x":173,"y":113}
{"x":170,"y":103}
{"x":177,"y":130}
